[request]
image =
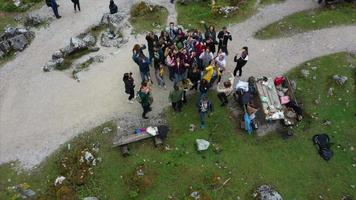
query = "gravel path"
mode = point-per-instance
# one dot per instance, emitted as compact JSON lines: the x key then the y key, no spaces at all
{"x":39,"y":111}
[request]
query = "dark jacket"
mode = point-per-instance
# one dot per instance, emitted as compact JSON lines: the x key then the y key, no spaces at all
{"x":145,"y":98}
{"x":151,"y":41}
{"x":224,"y":38}
{"x":208,"y":108}
{"x":194,"y":76}
{"x":129,"y":84}
{"x":144,"y":65}
{"x":113,"y":7}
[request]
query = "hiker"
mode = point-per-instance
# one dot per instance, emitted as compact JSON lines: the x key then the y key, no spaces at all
{"x":76,"y":5}
{"x":54,"y":7}
{"x":176,"y":97}
{"x":194,"y":77}
{"x":204,"y":106}
{"x":220,"y":61}
{"x":241,"y":61}
{"x":172,"y":31}
{"x":205,"y":58}
{"x":224,"y":36}
{"x":158,"y":66}
{"x":143,"y":63}
{"x":203,"y":88}
{"x":224,"y":90}
{"x":145,"y":98}
{"x":152,"y":40}
{"x":129,"y":86}
{"x":210,"y":37}
{"x":113,"y":7}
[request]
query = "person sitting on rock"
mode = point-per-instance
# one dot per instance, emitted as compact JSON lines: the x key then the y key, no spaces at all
{"x":113,"y":7}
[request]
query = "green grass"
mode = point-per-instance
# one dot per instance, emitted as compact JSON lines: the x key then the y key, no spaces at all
{"x":8,"y":5}
{"x":266,"y":2}
{"x":192,"y":13}
{"x":341,"y":14}
{"x":148,"y":20}
{"x":293,"y":166}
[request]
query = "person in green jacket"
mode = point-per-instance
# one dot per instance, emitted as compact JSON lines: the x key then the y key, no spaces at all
{"x":145,"y":98}
{"x":176,"y":97}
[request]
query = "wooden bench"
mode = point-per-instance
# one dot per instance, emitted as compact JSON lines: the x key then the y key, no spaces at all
{"x":125,"y":140}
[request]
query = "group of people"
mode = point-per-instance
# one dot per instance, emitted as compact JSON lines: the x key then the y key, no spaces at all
{"x":53,"y":4}
{"x":194,"y":60}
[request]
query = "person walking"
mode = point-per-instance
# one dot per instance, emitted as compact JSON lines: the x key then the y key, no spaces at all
{"x":241,"y":61}
{"x":224,"y":36}
{"x":129,"y":86}
{"x":54,"y":7}
{"x":176,"y":97}
{"x":76,"y":5}
{"x":145,"y":98}
{"x":205,"y":106}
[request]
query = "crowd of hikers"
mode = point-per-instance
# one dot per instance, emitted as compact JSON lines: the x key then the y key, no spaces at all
{"x":193,"y":60}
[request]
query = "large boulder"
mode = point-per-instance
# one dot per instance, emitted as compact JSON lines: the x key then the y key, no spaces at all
{"x":19,"y":42}
{"x":113,"y":19}
{"x":5,"y":46}
{"x":52,"y":64}
{"x":10,"y":32}
{"x":33,"y":20}
{"x":57,"y":55}
{"x":111,"y":40}
{"x":266,"y":192}
{"x":27,"y":33}
{"x":77,"y":43}
{"x":89,"y":40}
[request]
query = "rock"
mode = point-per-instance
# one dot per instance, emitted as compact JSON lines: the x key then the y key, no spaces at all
{"x":67,"y":50}
{"x":326,"y":123}
{"x":106,"y":130}
{"x":293,"y":84}
{"x":192,"y":127}
{"x":52,"y":64}
{"x":195,"y":195}
{"x":110,"y":40}
{"x":33,"y":20}
{"x":77,"y":43}
{"x":314,"y":68}
{"x":90,"y":198}
{"x":89,"y":40}
{"x":88,"y":157}
{"x":330,"y":92}
{"x":113,"y":19}
{"x":27,"y":33}
{"x":10,"y":32}
{"x":305,"y":72}
{"x":341,"y":80}
{"x":202,"y":144}
{"x":59,"y":180}
{"x":97,"y":58}
{"x":28,"y":193}
{"x":94,"y":49}
{"x":57,"y":54}
{"x":5,"y":47}
{"x":266,"y":192}
{"x":18,"y":43}
{"x":227,"y":10}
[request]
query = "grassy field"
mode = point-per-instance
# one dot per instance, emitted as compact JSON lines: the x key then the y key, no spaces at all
{"x":341,"y":14}
{"x":293,"y":166}
{"x":266,"y":2}
{"x":143,"y":19}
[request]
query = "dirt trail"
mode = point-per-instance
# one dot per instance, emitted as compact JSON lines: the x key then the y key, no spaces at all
{"x":39,"y":111}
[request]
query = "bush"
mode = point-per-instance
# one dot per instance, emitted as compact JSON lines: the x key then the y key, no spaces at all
{"x":143,"y":8}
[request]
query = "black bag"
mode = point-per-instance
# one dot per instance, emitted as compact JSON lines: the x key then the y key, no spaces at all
{"x":322,"y":142}
{"x":48,"y":3}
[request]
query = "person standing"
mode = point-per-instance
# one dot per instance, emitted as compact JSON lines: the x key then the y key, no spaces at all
{"x":210,"y":37}
{"x":175,"y":97}
{"x":205,"y":58}
{"x":143,"y":63}
{"x":172,"y":31}
{"x":224,"y":36}
{"x":54,"y":6}
{"x":76,"y":5}
{"x":145,"y":98}
{"x":241,"y":61}
{"x":205,"y":106}
{"x":224,"y":90}
{"x":152,"y":41}
{"x":113,"y":7}
{"x":129,"y":86}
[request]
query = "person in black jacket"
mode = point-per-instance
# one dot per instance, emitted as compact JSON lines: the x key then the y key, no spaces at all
{"x":224,"y":36}
{"x":241,"y":61}
{"x":210,"y":37}
{"x":76,"y":5}
{"x":113,"y":7}
{"x":129,"y":86}
{"x":152,"y":41}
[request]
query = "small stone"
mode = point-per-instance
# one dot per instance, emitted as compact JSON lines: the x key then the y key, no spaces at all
{"x":313,"y":21}
{"x":90,"y":198}
{"x":330,"y":92}
{"x":305,"y":72}
{"x":314,"y":68}
{"x":352,"y":186}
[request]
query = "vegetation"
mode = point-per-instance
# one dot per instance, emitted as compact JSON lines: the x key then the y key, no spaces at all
{"x":266,"y":2}
{"x":340,"y":14}
{"x":293,"y":165}
{"x":9,"y":6}
{"x":145,"y":17}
